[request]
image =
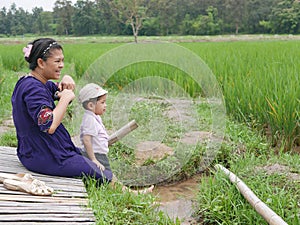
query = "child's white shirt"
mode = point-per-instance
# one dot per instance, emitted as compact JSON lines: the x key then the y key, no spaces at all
{"x":92,"y":125}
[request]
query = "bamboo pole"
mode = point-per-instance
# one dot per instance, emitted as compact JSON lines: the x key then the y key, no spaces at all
{"x":119,"y":134}
{"x":268,"y":214}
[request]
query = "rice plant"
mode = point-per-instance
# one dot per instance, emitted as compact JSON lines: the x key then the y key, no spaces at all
{"x":259,"y":79}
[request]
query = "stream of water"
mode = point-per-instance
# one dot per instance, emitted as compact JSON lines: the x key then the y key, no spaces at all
{"x":176,"y":200}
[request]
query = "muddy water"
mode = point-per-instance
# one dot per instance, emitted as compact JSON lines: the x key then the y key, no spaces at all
{"x":176,"y":200}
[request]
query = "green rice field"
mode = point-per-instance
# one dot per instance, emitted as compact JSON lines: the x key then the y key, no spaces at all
{"x":259,"y":79}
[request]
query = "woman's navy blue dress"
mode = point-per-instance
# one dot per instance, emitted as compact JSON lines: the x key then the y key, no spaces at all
{"x":41,"y":152}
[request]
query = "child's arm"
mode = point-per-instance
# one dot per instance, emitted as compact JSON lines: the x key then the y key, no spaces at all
{"x":87,"y":142}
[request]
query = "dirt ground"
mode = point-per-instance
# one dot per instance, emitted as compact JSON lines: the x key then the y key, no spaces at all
{"x":281,"y":170}
{"x":6,"y":125}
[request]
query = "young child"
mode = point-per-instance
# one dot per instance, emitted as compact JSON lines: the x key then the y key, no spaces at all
{"x":93,"y":134}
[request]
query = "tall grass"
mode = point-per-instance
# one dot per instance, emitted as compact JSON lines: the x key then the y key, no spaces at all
{"x":114,"y":206}
{"x":220,"y":202}
{"x":80,"y":56}
{"x":11,"y":57}
{"x":261,"y":83}
{"x":260,"y":80}
{"x":261,"y":87}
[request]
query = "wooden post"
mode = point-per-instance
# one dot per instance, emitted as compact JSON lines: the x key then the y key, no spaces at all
{"x":268,"y":214}
{"x":119,"y":134}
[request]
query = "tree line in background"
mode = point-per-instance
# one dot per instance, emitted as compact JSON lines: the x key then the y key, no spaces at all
{"x":154,"y":18}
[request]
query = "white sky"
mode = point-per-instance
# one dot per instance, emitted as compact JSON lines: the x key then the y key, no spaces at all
{"x":47,"y":5}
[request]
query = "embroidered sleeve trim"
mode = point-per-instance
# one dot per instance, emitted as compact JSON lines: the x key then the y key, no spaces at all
{"x":45,"y":117}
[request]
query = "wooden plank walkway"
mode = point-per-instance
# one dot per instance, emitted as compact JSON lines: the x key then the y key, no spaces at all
{"x":68,"y":205}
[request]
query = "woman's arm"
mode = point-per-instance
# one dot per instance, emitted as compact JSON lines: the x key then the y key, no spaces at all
{"x":65,"y":96}
{"x":60,"y":110}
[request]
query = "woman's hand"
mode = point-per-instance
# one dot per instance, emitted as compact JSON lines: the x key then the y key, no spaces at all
{"x":66,"y":82}
{"x":66,"y":94}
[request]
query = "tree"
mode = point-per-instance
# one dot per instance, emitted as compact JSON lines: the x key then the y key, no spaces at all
{"x":85,"y":18}
{"x":21,"y":18}
{"x":63,"y":11}
{"x":207,"y":24}
{"x":155,"y":17}
{"x":130,"y":12}
{"x":11,"y":22}
{"x":37,"y":25}
{"x":107,"y":24}
{"x":235,"y":12}
{"x":47,"y":22}
{"x":285,"y":17}
{"x":258,"y":14}
{"x":166,"y":15}
{"x":3,"y":21}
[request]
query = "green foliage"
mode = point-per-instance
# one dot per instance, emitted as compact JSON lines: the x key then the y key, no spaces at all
{"x":81,"y":55}
{"x":63,"y":11}
{"x":12,"y":57}
{"x":9,"y":139}
{"x":153,"y":18}
{"x":85,"y":18}
{"x":114,"y":206}
{"x":7,"y":79}
{"x":285,"y":17}
{"x":208,"y":24}
{"x":265,"y":24}
{"x":248,"y":156}
{"x":155,"y":69}
{"x":260,"y":84}
{"x":255,"y":90}
{"x":219,"y":200}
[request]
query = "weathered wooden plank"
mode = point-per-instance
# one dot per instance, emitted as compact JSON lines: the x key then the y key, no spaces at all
{"x":48,"y":223}
{"x":45,"y":217}
{"x":45,"y":178}
{"x":45,"y":211}
{"x":68,"y":205}
{"x":12,"y":158}
{"x":39,"y":204}
{"x":10,"y":204}
{"x":58,"y":193}
{"x":42,"y":209}
{"x":55,"y":182}
{"x":32,"y":198}
{"x":8,"y":150}
{"x":49,"y":216}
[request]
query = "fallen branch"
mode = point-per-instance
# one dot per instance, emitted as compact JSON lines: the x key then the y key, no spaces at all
{"x":268,"y":214}
{"x":119,"y":134}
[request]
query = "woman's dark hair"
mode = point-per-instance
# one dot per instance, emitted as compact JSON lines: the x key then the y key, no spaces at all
{"x":41,"y":48}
